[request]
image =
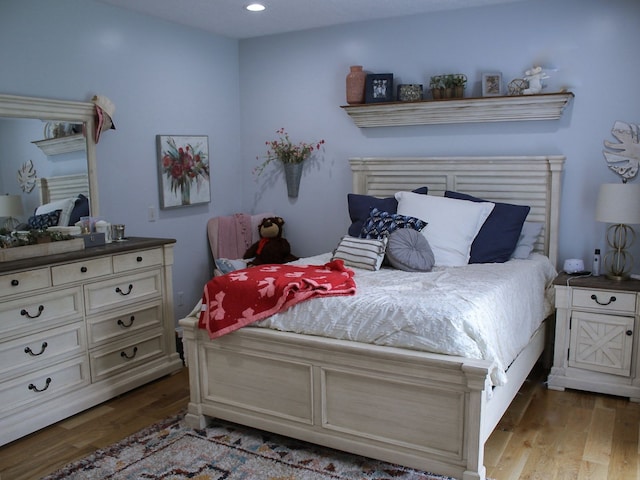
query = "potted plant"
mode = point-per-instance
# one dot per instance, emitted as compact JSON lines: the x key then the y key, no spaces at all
{"x":448,"y":86}
{"x":459,"y":82}
{"x":291,"y":156}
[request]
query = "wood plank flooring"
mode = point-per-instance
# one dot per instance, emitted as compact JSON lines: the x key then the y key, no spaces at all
{"x":545,"y":434}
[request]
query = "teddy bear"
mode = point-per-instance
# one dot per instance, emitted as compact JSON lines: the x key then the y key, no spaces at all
{"x":271,"y":248}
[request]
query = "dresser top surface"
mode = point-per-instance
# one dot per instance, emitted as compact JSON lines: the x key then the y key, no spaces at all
{"x":130,"y":244}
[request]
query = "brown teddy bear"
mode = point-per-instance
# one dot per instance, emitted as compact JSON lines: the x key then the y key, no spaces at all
{"x":271,"y":248}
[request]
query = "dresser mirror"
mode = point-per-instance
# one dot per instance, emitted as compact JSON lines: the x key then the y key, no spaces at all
{"x":29,"y":117}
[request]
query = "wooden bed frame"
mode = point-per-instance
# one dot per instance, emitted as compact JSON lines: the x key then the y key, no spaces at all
{"x":426,"y":411}
{"x":61,"y":187}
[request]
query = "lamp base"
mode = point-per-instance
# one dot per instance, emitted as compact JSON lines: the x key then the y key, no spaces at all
{"x":11,"y":223}
{"x":617,"y":278}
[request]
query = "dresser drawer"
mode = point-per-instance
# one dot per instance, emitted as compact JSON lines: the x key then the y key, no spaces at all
{"x":38,"y":312}
{"x":604,"y":300}
{"x":115,"y":327}
{"x":81,"y":271}
{"x":121,"y":291}
{"x":44,"y":385}
{"x":123,"y":356}
{"x":134,"y":260}
{"x":22,"y":282}
{"x":39,"y":350}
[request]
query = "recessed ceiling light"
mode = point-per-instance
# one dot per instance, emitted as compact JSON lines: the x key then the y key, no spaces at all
{"x":255,"y":7}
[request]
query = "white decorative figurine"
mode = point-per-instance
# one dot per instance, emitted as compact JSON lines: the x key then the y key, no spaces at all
{"x":534,"y":77}
{"x":625,"y":157}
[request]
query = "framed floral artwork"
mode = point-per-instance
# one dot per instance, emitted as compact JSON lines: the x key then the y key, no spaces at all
{"x":491,"y":84}
{"x":183,"y":162}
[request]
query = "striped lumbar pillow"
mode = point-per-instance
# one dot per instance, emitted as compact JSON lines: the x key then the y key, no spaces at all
{"x":366,"y":253}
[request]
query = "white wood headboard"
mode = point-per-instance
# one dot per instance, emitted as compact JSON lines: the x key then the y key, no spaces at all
{"x":61,"y":187}
{"x":522,"y":180}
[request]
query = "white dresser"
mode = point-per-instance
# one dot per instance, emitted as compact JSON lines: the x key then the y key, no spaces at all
{"x":596,"y":339}
{"x":79,"y":328}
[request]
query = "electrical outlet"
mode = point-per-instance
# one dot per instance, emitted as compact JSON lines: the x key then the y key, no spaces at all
{"x":151,"y":213}
{"x":180,"y":296}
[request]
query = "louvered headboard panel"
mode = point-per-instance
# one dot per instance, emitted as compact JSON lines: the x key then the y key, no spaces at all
{"x":521,"y":180}
{"x":61,"y":187}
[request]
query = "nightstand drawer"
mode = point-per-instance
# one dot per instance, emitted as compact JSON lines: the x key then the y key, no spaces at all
{"x":22,"y":282}
{"x":131,"y":261}
{"x":79,"y":271}
{"x":604,"y":300}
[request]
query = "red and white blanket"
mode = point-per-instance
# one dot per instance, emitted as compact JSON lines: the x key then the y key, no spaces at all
{"x":245,"y":296}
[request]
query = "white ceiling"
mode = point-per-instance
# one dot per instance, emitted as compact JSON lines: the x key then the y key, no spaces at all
{"x":229,"y":17}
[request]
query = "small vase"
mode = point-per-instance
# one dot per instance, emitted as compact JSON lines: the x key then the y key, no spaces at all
{"x":292,"y":175}
{"x":355,"y":85}
{"x":186,"y":193}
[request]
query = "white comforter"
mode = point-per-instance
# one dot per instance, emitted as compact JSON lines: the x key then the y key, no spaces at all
{"x":484,"y":311}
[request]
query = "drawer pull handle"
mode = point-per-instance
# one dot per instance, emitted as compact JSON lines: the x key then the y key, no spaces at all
{"x":138,"y":259}
{"x":83,"y":269}
{"x":611,"y":300}
{"x":629,"y":333}
{"x":15,"y":283}
{"x":122,"y":324}
{"x":42,"y":349}
{"x":123,"y":293}
{"x":24,"y":312}
{"x":129,"y":357}
{"x":36,"y":389}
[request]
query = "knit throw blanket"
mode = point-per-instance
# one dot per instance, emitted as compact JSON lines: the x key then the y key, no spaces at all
{"x":245,"y":296}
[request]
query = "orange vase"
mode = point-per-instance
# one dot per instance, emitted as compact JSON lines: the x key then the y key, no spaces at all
{"x":355,"y":85}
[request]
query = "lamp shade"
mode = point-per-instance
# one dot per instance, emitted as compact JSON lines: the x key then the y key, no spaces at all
{"x":619,"y":203}
{"x":10,"y":206}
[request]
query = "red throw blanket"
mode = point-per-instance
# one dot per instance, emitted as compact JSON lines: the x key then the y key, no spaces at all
{"x":245,"y":296}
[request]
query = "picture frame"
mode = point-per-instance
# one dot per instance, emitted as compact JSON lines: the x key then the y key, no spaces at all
{"x":378,"y":87}
{"x":183,"y":170}
{"x":492,"y":84}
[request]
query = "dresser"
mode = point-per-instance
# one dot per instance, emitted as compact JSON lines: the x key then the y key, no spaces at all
{"x":81,"y":327}
{"x":596,"y":336}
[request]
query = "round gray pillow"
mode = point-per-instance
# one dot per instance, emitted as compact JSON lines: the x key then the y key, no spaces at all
{"x":410,"y":251}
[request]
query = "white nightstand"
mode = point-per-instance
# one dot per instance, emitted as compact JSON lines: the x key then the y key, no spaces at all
{"x":596,"y":344}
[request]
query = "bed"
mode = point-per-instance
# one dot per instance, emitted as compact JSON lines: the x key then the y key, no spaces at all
{"x":424,"y":410}
{"x":68,"y":194}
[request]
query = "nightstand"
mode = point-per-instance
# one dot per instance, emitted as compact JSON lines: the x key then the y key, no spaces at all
{"x":596,"y":339}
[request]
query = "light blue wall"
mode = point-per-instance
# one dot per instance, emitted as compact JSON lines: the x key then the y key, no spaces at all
{"x":297,"y":81}
{"x":163,"y":79}
{"x":168,"y":79}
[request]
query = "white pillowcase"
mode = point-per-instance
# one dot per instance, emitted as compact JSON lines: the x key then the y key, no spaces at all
{"x":452,"y":224}
{"x":66,"y":205}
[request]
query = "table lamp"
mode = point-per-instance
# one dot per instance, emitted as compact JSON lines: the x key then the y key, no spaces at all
{"x":619,"y":204}
{"x":11,"y":207}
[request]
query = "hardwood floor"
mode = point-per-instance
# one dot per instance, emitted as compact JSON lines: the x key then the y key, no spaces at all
{"x":545,"y":434}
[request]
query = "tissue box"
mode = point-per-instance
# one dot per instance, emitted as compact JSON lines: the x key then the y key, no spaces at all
{"x":93,"y":239}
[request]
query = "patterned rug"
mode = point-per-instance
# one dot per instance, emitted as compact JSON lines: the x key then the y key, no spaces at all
{"x":225,"y":451}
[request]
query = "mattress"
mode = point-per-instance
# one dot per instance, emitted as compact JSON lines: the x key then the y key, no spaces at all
{"x":481,"y":311}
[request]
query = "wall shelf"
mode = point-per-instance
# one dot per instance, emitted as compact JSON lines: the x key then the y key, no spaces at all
{"x":55,"y":146}
{"x":547,"y":106}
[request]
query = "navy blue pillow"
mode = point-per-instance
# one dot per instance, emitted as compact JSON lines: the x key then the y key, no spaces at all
{"x":381,"y":223}
{"x":80,"y":209}
{"x":360,"y":207}
{"x":45,"y":220}
{"x":498,"y":237}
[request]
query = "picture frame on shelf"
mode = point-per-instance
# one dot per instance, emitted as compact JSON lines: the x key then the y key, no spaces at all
{"x":378,"y":87}
{"x":491,"y":84}
{"x":183,"y":170}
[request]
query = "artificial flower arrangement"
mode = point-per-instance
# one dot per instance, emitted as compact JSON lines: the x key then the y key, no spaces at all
{"x":285,"y":151}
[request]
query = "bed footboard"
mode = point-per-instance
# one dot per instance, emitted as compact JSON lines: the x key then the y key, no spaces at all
{"x":421,"y":410}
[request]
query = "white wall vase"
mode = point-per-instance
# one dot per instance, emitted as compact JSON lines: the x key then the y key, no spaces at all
{"x":292,"y":175}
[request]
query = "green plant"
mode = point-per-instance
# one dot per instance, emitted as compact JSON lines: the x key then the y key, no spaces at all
{"x":459,"y":80}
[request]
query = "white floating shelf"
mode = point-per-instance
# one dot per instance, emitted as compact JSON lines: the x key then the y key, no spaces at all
{"x":548,"y":106}
{"x":55,"y":146}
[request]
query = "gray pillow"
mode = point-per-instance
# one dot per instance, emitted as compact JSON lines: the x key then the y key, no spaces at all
{"x":409,"y":250}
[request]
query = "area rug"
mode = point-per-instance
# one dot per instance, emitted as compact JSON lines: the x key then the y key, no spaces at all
{"x":226,"y":451}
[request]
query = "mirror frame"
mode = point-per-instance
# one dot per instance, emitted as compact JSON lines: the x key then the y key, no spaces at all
{"x":62,"y":110}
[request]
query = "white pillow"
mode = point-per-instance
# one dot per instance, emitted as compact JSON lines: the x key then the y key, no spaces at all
{"x":452,"y":224}
{"x":66,"y":205}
